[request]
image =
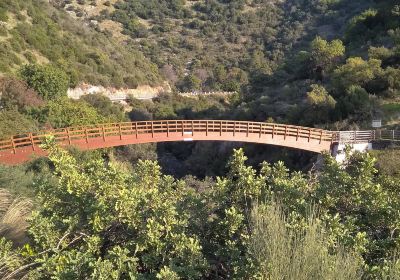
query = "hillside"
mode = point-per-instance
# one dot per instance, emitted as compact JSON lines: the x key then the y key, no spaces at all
{"x":36,"y":32}
{"x":206,"y":38}
{"x":268,"y":51}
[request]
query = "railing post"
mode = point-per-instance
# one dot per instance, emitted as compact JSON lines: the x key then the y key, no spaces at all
{"x":167,"y":129}
{"x":393,"y":135}
{"x":192,"y":128}
{"x":234,"y":129}
{"x":68,"y":136}
{"x":13,"y":145}
{"x":104,"y":133}
{"x":355,"y":136}
{"x":273,"y":131}
{"x":206,"y":128}
{"x":183,"y":129}
{"x":32,"y":142}
{"x":309,"y":134}
{"x":284,"y":137}
{"x":136,"y":130}
{"x":220,"y":128}
{"x":120,"y":131}
{"x":152,"y":129}
{"x":320,"y":138}
{"x":248,"y":127}
{"x":260,"y":130}
{"x":86,"y":135}
{"x":297,"y":136}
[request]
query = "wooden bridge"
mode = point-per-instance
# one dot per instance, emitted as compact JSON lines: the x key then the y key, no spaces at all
{"x":22,"y":148}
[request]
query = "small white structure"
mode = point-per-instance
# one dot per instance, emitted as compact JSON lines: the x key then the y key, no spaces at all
{"x":339,"y":150}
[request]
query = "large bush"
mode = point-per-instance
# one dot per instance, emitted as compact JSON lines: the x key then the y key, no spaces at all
{"x":49,"y":81}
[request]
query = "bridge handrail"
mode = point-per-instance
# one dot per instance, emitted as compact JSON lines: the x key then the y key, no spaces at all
{"x":68,"y":135}
{"x":363,"y":136}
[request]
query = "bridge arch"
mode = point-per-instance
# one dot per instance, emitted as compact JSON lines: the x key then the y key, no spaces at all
{"x":19,"y":149}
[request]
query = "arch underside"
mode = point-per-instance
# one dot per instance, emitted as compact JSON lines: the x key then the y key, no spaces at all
{"x":24,"y":154}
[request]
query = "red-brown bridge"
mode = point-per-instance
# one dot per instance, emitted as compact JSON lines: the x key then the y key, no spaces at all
{"x":19,"y":149}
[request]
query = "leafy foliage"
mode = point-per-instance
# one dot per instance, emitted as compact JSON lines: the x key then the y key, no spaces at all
{"x":98,"y":220}
{"x":49,"y":81}
{"x":64,"y":112}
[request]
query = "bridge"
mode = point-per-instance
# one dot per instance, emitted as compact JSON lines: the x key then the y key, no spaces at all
{"x":22,"y":148}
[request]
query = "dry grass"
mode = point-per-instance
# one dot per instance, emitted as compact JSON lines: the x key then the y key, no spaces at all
{"x":13,"y":217}
{"x":286,"y":254}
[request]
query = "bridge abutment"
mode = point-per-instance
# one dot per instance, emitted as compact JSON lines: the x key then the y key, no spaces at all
{"x":339,"y":150}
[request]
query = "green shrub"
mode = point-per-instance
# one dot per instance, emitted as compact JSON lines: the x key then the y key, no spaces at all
{"x":49,"y":81}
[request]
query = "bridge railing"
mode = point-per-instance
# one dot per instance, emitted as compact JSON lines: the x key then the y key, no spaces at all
{"x":365,"y":136}
{"x":184,"y":127}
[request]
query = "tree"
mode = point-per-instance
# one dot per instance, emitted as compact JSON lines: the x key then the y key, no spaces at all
{"x":356,"y":102}
{"x":65,"y":112}
{"x":319,"y":97}
{"x":191,"y":82}
{"x":324,"y":55}
{"x":49,"y":81}
{"x":99,"y":222}
{"x":321,"y":104}
{"x":357,"y":72}
{"x":109,"y":111}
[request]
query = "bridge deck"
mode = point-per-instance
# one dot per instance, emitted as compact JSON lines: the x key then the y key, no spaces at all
{"x":19,"y":149}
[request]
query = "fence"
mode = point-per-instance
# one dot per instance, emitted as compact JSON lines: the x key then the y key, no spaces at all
{"x":364,"y":136}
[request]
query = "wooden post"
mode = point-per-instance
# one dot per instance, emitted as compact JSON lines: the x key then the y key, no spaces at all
{"x":206,"y":128}
{"x":104,"y":133}
{"x":68,"y":136}
{"x":260,"y":130}
{"x":248,"y":124}
{"x":192,"y":128}
{"x":32,"y":142}
{"x":86,"y":135}
{"x":320,"y":138}
{"x":309,"y":134}
{"x":393,"y":135}
{"x":167,"y":129}
{"x":220,"y":129}
{"x":152,"y":129}
{"x":13,"y":145}
{"x":183,"y":129}
{"x":284,"y":137}
{"x":120,"y":131}
{"x":136,"y":130}
{"x":234,"y":129}
{"x":355,"y":136}
{"x":273,"y":131}
{"x":297,"y":136}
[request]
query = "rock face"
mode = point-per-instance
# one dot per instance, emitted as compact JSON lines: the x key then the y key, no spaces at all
{"x":119,"y":94}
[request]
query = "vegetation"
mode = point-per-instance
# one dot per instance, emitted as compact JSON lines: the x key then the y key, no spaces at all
{"x":49,"y":82}
{"x":97,"y":219}
{"x":36,"y":32}
{"x":286,"y":253}
{"x":138,"y":212}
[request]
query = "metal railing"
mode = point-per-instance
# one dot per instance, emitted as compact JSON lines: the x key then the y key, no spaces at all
{"x":365,"y":136}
